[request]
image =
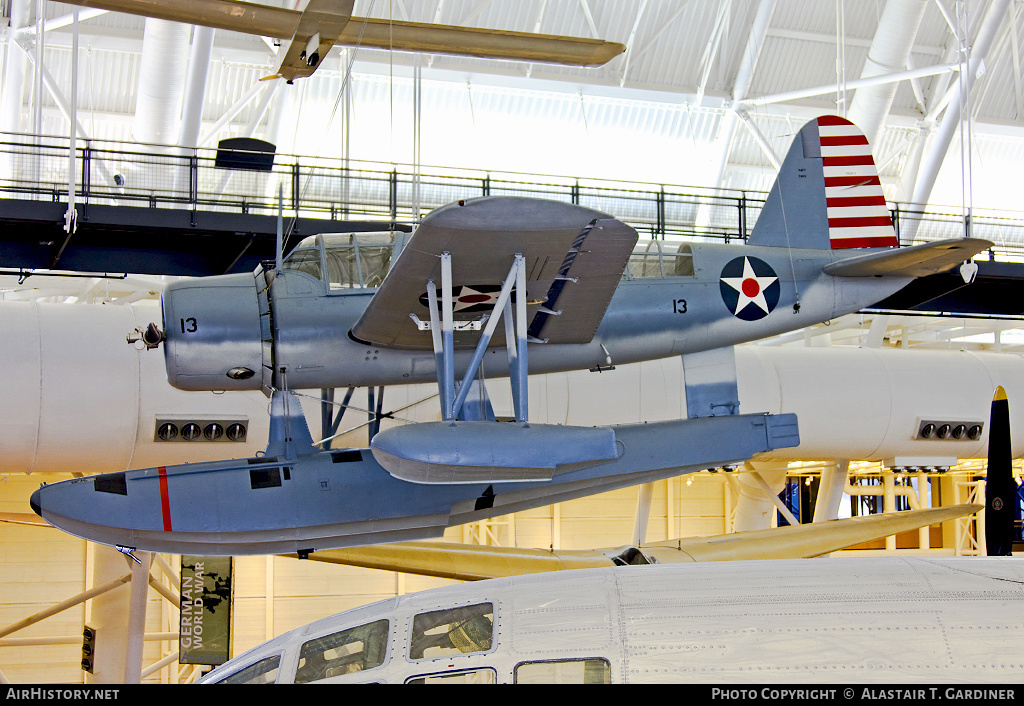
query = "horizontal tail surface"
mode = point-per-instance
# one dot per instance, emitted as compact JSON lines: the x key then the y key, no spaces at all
{"x":828,"y":194}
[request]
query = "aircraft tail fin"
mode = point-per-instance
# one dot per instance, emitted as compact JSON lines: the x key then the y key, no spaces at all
{"x":827,"y":194}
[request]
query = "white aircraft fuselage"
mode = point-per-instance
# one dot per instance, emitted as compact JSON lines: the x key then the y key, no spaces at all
{"x":836,"y":621}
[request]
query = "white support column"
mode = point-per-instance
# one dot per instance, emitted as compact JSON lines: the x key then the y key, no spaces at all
{"x":556,"y":526}
{"x":37,"y":108}
{"x":136,"y":627}
{"x":106,"y":614}
{"x":643,"y":513}
{"x":268,"y":590}
{"x":756,"y":503}
{"x":889,"y":53}
{"x":195,"y":86}
{"x":951,"y":119}
{"x":830,"y":491}
{"x":15,"y":68}
{"x":71,"y":216}
{"x":670,"y":505}
{"x":889,"y":503}
{"x":770,"y":494}
{"x":740,"y":86}
{"x":161,"y":82}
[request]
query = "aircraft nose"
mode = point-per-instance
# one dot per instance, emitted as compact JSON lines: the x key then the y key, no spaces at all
{"x":34,"y":503}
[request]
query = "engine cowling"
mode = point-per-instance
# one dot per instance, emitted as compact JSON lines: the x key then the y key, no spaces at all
{"x":213,"y":333}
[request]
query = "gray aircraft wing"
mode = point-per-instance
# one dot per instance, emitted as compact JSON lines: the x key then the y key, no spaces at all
{"x":574,"y":257}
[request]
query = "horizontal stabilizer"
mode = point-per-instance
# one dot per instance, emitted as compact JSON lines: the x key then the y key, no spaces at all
{"x":471,"y":452}
{"x":473,"y":562}
{"x":915,"y":261}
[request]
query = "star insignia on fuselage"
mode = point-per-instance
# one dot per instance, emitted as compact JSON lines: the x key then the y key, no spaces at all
{"x":750,"y":288}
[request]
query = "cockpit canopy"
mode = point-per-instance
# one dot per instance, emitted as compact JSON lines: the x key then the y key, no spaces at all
{"x":350,"y":260}
{"x":360,"y":260}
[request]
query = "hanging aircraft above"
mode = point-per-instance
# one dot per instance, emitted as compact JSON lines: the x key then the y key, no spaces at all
{"x":322,"y":24}
{"x":846,"y":620}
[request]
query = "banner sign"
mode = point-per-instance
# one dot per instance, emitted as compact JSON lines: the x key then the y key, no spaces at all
{"x":205,"y":625}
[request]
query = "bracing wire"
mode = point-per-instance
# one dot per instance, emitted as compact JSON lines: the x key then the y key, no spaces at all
{"x":966,"y":148}
{"x":346,"y":83}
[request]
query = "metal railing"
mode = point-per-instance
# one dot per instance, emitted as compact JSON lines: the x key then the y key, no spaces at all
{"x":160,"y":176}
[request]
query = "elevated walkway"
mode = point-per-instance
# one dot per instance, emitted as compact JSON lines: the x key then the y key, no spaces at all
{"x":156,"y":209}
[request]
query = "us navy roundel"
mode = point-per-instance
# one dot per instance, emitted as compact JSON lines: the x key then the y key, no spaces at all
{"x":750,"y":288}
{"x":470,"y":298}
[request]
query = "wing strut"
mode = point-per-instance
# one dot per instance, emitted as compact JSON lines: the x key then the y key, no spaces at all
{"x":442,"y":328}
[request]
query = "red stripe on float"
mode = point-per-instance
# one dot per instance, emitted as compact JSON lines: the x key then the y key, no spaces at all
{"x":165,"y":502}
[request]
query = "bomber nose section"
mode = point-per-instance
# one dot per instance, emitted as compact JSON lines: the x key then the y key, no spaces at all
{"x":213,"y":333}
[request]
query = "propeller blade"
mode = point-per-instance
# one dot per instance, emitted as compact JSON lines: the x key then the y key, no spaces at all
{"x":1000,"y":488}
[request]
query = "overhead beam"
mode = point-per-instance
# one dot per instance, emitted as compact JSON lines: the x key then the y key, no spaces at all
{"x":740,"y":86}
{"x":951,"y":119}
{"x":800,"y":93}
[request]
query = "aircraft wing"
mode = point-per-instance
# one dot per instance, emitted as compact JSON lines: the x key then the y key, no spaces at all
{"x":802,"y":541}
{"x":24,"y":518}
{"x":319,"y":28}
{"x":331,"y":20}
{"x":915,"y":261}
{"x":574,"y":256}
{"x":466,"y":562}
